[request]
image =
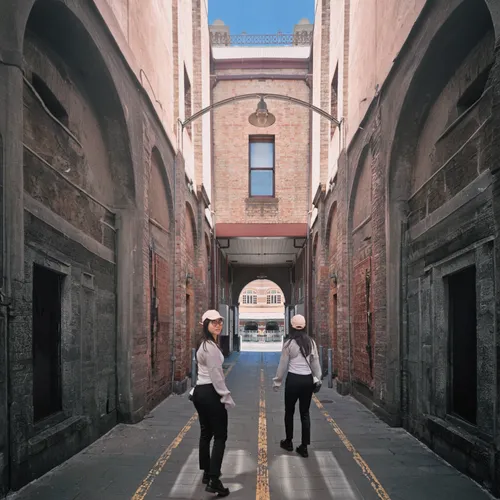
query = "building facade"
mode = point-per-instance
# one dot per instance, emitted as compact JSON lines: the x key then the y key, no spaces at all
{"x":261,"y":312}
{"x":105,"y":242}
{"x":406,"y":221}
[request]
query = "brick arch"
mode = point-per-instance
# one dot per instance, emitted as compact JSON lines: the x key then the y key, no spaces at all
{"x":62,"y":29}
{"x":446,"y":51}
{"x":245,"y":275}
{"x":360,"y":247}
{"x":359,"y":203}
{"x":315,"y":240}
{"x":160,"y":197}
{"x":208,"y":245}
{"x":331,"y":235}
{"x":273,"y":286}
{"x":207,"y":255}
{"x":191,"y":231}
{"x":438,"y":56}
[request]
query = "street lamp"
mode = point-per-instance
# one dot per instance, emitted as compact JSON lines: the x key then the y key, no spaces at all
{"x":261,"y":117}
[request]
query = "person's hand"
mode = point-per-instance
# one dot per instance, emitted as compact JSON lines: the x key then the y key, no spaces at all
{"x":230,"y":404}
{"x":276,"y":388}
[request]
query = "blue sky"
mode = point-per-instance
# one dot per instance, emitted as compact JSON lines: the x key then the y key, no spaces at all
{"x":260,"y":16}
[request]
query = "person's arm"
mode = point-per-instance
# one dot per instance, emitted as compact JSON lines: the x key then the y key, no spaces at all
{"x":212,"y":360}
{"x":315,"y":366}
{"x":283,"y":365}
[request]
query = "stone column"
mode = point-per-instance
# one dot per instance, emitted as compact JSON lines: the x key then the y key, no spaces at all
{"x":12,"y":257}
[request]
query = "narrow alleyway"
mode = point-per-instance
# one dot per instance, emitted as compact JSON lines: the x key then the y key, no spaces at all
{"x":353,"y":454}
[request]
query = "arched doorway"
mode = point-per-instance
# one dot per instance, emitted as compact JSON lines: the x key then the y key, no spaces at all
{"x":261,"y":316}
{"x":78,"y":176}
{"x":439,"y":298}
{"x":160,"y":277}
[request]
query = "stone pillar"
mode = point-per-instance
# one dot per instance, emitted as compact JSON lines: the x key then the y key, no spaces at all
{"x":343,"y":282}
{"x":12,"y":258}
{"x":180,"y":316}
{"x":131,"y":353}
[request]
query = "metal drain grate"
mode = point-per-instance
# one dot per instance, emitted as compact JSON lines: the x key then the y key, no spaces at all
{"x":325,"y":401}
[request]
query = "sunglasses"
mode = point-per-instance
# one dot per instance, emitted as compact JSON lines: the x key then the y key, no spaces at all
{"x":217,"y":321}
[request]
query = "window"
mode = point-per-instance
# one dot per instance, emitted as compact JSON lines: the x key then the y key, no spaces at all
{"x":334,"y":98}
{"x":187,"y":100}
{"x":49,"y":99}
{"x":261,"y":165}
{"x":249,"y":297}
{"x":47,"y":394}
{"x":273,"y":297}
{"x":463,"y":343}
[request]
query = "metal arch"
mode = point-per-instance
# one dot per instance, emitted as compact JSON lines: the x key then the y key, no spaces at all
{"x":242,"y":97}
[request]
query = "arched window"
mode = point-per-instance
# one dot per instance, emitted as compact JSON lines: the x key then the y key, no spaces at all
{"x":273,"y":297}
{"x":249,"y":297}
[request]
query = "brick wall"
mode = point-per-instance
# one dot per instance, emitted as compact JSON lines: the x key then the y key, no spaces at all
{"x":157,"y":275}
{"x":231,"y":153}
{"x":418,"y":175}
{"x":361,"y":305}
{"x":197,"y":91}
{"x":325,"y":90}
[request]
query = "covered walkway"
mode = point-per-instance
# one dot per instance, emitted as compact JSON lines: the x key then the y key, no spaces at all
{"x":353,"y":454}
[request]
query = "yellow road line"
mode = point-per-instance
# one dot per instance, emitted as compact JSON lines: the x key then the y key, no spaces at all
{"x":382,"y":494}
{"x":262,"y":490}
{"x":143,"y":489}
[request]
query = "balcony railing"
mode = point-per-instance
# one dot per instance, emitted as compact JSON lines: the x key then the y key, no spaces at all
{"x":265,"y":336}
{"x":300,"y":38}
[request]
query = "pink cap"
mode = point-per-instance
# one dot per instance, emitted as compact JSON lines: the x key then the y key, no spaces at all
{"x":211,"y":314}
{"x":298,"y":322}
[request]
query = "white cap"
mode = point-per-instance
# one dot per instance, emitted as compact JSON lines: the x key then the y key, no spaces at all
{"x":298,"y":322}
{"x":211,"y":314}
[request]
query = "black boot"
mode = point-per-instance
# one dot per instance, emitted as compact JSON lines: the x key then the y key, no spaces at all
{"x":216,"y":486}
{"x":286,"y":445}
{"x":206,"y":478}
{"x":302,"y":450}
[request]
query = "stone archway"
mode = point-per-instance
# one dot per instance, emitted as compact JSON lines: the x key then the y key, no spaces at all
{"x":360,"y":237}
{"x":437,"y":166}
{"x":332,"y":239}
{"x":160,"y":277}
{"x":261,"y":314}
{"x":191,"y":261}
{"x":78,"y":179}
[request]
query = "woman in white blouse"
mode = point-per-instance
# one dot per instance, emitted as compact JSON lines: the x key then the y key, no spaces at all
{"x":300,"y":357}
{"x":211,"y":399}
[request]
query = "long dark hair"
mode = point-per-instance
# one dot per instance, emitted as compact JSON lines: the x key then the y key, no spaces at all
{"x":303,"y":340}
{"x":205,"y":337}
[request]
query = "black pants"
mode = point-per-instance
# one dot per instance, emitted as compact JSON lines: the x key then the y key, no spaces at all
{"x":213,"y":422}
{"x":298,"y":387}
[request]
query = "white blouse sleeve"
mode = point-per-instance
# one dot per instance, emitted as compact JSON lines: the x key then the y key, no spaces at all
{"x":211,"y":358}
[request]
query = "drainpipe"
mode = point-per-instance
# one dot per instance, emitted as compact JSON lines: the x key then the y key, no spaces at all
{"x":214,"y":264}
{"x":174,"y":280}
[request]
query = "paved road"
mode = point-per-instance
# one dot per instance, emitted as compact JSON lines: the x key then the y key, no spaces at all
{"x":261,"y":346}
{"x":353,"y":456}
